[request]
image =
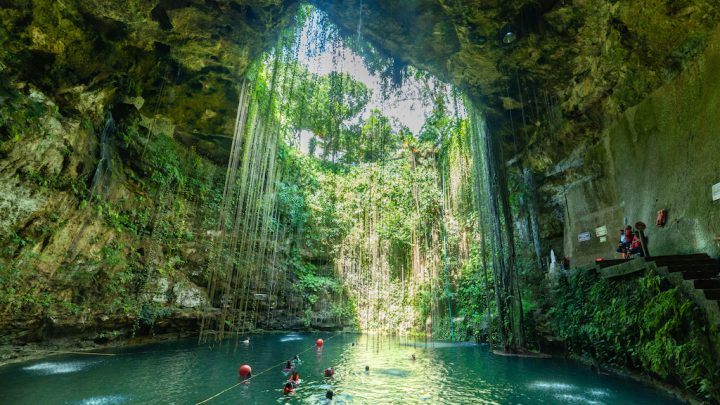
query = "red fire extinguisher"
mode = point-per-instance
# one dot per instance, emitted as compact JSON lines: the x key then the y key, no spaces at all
{"x":661,"y":218}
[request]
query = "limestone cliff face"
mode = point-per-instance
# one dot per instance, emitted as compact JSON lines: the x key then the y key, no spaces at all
{"x":663,"y":153}
{"x":178,"y":59}
{"x":114,"y":122}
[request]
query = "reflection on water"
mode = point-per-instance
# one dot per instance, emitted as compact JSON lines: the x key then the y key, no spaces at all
{"x":47,"y":368}
{"x":291,"y":338}
{"x":552,"y":386}
{"x":106,"y":400}
{"x":443,"y":373}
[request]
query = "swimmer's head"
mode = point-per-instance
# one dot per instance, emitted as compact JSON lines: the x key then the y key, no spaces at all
{"x":329,"y":394}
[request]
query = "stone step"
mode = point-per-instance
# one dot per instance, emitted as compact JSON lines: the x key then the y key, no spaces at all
{"x":707,"y":284}
{"x":693,"y":267}
{"x":679,"y":261}
{"x":713,"y":294}
{"x":698,"y":274}
{"x":611,"y":262}
{"x":695,"y":256}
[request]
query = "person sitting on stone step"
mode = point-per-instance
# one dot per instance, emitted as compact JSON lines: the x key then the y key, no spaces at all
{"x":636,"y":245}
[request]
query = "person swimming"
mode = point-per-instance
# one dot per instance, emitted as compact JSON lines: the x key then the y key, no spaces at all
{"x":413,"y":357}
{"x":288,"y":390}
{"x":296,"y":360}
{"x":329,"y":396}
{"x":329,"y":372}
{"x":246,"y":379}
{"x":367,"y":369}
{"x":294,"y":379}
{"x":288,"y":368}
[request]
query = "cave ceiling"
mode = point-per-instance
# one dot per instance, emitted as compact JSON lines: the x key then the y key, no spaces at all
{"x":566,"y":70}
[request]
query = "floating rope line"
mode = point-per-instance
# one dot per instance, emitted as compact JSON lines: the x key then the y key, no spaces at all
{"x":255,"y":375}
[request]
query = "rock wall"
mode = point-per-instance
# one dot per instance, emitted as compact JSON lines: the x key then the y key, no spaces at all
{"x":114,"y":124}
{"x":663,"y":153}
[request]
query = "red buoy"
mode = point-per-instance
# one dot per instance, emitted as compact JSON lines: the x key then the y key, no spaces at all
{"x":319,"y":342}
{"x":244,"y":370}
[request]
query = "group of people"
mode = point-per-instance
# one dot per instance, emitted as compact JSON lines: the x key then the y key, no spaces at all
{"x":294,"y":381}
{"x":630,"y":244}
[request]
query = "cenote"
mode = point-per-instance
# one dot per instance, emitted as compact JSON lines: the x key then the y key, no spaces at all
{"x":525,"y":194}
{"x":443,"y":373}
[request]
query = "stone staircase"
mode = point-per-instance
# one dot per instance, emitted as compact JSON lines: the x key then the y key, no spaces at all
{"x":695,"y":274}
{"x":701,"y":269}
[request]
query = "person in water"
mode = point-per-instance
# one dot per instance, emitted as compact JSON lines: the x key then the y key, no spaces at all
{"x":294,"y":379}
{"x":246,"y":379}
{"x":329,"y":372}
{"x":288,"y":390}
{"x":413,"y":357}
{"x":288,"y":368}
{"x":329,"y":396}
{"x":367,"y":369}
{"x":296,"y":360}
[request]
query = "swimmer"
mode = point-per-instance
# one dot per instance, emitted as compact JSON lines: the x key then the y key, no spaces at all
{"x":246,"y":379}
{"x":329,"y":372}
{"x":288,"y":368}
{"x":329,"y":396}
{"x":413,"y":357}
{"x":288,"y":390}
{"x":367,"y":369}
{"x":294,"y":379}
{"x":296,"y":360}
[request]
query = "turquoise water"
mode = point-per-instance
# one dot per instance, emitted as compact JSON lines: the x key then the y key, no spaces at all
{"x":183,"y":372}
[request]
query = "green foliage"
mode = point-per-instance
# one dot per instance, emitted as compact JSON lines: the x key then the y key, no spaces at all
{"x":19,"y":116}
{"x":641,"y":324}
{"x":151,"y":312}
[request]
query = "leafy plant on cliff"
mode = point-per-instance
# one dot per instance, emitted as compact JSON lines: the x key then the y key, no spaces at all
{"x":641,"y":324}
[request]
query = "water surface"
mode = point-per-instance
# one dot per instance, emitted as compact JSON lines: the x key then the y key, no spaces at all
{"x":184,"y":372}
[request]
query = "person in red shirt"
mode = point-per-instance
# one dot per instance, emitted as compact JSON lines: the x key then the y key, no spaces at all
{"x":636,"y":245}
{"x":288,"y":390}
{"x":294,"y":379}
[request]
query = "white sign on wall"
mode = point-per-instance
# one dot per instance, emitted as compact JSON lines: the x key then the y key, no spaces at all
{"x":584,"y":237}
{"x":601,"y":231}
{"x":716,"y":192}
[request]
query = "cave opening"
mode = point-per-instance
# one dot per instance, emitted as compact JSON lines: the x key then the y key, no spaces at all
{"x":370,"y":212}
